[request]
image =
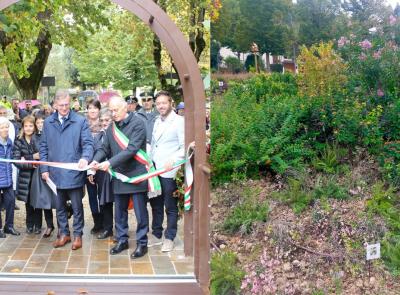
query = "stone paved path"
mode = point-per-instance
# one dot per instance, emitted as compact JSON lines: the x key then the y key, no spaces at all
{"x":36,"y":255}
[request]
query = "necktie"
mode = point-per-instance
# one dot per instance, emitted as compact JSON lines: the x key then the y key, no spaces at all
{"x":63,"y":121}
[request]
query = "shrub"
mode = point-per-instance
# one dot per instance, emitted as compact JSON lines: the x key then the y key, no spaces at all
{"x":246,"y":213}
{"x":226,"y":274}
{"x":233,"y":64}
{"x":295,"y":195}
{"x":321,"y":71}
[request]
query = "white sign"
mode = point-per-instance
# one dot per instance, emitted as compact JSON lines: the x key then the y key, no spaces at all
{"x":373,"y":251}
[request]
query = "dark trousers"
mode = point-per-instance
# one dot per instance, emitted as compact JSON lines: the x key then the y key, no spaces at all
{"x":33,"y":216}
{"x":142,"y":217}
{"x":108,"y":222}
{"x":168,"y":186}
{"x":8,"y":203}
{"x":48,"y":216}
{"x":75,"y":195}
{"x":93,"y":199}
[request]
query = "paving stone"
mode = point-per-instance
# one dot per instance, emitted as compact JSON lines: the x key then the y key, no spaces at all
{"x":183,"y":268}
{"x":22,"y":254}
{"x":162,"y":265}
{"x":55,"y":267}
{"x":142,"y":268}
{"x":76,"y":271}
{"x":78,"y":262}
{"x":44,"y":249}
{"x":29,"y":243}
{"x":14,"y":266}
{"x":60,"y":255}
{"x":99,"y":268}
{"x":38,"y":261}
{"x":120,"y":271}
{"x":119,"y":261}
{"x":99,"y":256}
{"x":100,"y":245}
{"x":33,"y":270}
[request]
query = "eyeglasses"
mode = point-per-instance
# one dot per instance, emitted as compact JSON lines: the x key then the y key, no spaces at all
{"x":147,"y":99}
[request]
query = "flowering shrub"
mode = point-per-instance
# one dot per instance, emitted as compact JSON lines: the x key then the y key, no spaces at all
{"x":260,"y":276}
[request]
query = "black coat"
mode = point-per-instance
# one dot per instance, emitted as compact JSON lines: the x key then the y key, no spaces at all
{"x":41,"y":195}
{"x":26,"y":150}
{"x":103,"y":179}
{"x":123,"y":161}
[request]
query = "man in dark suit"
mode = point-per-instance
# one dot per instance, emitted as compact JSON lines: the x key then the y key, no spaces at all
{"x":121,"y":159}
{"x":66,"y":138}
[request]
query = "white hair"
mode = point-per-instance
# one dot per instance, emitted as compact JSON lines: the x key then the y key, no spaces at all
{"x":119,"y":101}
{"x":4,"y":121}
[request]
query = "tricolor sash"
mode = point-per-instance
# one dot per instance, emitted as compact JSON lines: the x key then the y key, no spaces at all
{"x":141,"y":156}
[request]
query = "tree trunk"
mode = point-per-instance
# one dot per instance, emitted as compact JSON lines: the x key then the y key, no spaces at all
{"x":28,"y":87}
{"x":157,"y":50}
{"x":196,"y":37}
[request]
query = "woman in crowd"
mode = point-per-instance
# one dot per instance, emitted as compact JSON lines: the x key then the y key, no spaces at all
{"x":93,"y":111}
{"x":26,"y":149}
{"x":103,"y":181}
{"x":7,"y":197}
{"x":43,"y":201}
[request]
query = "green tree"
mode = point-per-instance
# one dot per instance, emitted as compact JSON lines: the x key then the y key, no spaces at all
{"x":121,"y":55}
{"x":30,"y":28}
{"x":319,"y":21}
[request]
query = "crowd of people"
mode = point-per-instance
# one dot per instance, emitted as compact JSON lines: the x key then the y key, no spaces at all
{"x":104,"y":137}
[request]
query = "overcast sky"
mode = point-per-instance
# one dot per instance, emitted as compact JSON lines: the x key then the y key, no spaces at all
{"x":393,"y":2}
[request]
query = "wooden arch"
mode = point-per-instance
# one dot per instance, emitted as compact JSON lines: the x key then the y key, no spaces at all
{"x":196,"y":232}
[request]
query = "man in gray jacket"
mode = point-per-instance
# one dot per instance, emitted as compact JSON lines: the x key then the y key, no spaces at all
{"x":167,"y":147}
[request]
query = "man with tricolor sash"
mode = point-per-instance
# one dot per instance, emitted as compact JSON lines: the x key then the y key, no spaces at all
{"x":124,"y":145}
{"x":167,"y":148}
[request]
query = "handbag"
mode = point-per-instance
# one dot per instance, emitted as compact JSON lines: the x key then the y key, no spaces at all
{"x":41,"y":195}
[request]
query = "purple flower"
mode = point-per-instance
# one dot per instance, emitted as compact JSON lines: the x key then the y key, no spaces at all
{"x":365,"y":44}
{"x":380,"y":92}
{"x":392,"y":20}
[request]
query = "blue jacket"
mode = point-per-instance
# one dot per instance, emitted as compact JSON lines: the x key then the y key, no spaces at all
{"x":67,"y":144}
{"x":5,"y":168}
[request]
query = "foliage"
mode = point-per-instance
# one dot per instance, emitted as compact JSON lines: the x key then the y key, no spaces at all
{"x":233,"y":64}
{"x":259,"y":123}
{"x":246,"y":213}
{"x":226,"y":274}
{"x":321,"y":71}
{"x":66,"y":22}
{"x":296,"y":195}
{"x":121,"y":55}
{"x":385,"y":202}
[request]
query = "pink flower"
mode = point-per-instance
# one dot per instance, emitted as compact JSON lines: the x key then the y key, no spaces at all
{"x":342,"y":41}
{"x":362,"y":56}
{"x":365,"y":44}
{"x":380,"y":92}
{"x":377,"y":54}
{"x":392,"y":20}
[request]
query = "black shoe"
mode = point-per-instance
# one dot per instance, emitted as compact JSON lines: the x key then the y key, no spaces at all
{"x":48,"y":232}
{"x":2,"y":234}
{"x":118,"y":248}
{"x":38,"y":231}
{"x":140,"y":251}
{"x":105,"y":234}
{"x":11,"y":231}
{"x":29,"y":230}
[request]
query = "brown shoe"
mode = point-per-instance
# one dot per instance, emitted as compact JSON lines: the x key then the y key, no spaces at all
{"x":61,"y":241}
{"x":77,"y":243}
